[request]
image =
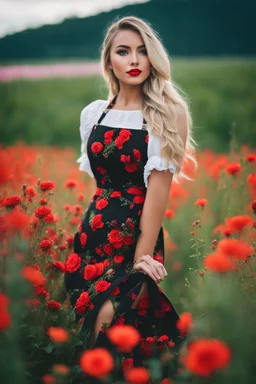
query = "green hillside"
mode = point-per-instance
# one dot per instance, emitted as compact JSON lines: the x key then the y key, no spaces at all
{"x":187,"y":28}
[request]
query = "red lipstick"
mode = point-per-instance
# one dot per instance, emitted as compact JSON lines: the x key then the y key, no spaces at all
{"x":134,"y":72}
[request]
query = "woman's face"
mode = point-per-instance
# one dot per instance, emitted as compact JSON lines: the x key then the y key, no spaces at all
{"x":127,"y":53}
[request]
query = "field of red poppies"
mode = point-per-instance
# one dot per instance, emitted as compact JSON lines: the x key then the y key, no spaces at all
{"x":210,"y":239}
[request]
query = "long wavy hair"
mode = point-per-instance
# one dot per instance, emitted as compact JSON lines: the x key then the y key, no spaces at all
{"x":162,"y":102}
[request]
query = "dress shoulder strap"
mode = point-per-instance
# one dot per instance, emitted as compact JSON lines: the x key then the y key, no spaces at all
{"x":110,"y":105}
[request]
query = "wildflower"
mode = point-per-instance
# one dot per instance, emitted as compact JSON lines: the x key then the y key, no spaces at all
{"x":11,"y":201}
{"x":235,"y":248}
{"x":58,"y":334}
{"x":33,"y":275}
{"x":233,"y":168}
{"x":5,"y":317}
{"x":236,"y":224}
{"x":206,"y":356}
{"x":71,"y":183}
{"x":125,"y":337}
{"x":97,"y":362}
{"x":201,"y":202}
{"x":137,"y":375}
{"x":61,"y":369}
{"x":41,"y":212}
{"x":53,"y":305}
{"x":185,"y":322}
{"x":45,"y":245}
{"x":46,"y":185}
{"x":217,"y":262}
{"x":169,"y":213}
{"x":251,"y":158}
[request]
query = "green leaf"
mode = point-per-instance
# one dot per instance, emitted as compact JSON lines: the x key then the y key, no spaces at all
{"x":49,"y":348}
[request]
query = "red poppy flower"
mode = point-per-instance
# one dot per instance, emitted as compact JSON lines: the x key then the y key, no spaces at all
{"x":97,"y":362}
{"x":45,"y":245}
{"x":47,"y":185}
{"x":11,"y":201}
{"x":237,"y":223}
{"x":33,"y":275}
{"x":53,"y":305}
{"x":58,"y":334}
{"x":217,"y":262}
{"x":233,"y":168}
{"x":43,"y":211}
{"x":206,"y":356}
{"x":137,"y":375}
{"x":201,"y":202}
{"x":125,"y":337}
{"x":235,"y":248}
{"x":185,"y":322}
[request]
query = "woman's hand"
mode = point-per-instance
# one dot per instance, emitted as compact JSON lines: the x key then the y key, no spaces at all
{"x":151,"y":267}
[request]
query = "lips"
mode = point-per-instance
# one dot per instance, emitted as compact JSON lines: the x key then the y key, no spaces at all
{"x":134,"y":72}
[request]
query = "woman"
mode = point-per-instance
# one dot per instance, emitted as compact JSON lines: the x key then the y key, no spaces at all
{"x":133,"y":145}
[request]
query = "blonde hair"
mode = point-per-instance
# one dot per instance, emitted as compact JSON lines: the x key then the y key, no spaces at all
{"x":162,"y":102}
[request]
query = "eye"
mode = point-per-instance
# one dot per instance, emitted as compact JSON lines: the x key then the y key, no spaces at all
{"x":145,"y":51}
{"x":122,"y":50}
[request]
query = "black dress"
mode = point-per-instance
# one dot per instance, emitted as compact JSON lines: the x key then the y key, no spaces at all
{"x":107,"y":239}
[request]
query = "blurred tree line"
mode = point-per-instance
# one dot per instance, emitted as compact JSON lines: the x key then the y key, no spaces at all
{"x":186,"y":27}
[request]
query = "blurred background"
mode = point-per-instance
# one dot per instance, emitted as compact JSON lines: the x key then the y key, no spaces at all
{"x":49,"y":65}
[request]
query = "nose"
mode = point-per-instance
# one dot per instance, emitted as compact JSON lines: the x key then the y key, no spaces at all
{"x":135,"y":60}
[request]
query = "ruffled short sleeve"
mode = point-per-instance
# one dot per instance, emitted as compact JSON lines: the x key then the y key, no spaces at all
{"x":87,"y":120}
{"x":155,"y":160}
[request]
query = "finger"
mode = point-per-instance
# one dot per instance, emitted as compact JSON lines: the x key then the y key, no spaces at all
{"x":145,"y":268}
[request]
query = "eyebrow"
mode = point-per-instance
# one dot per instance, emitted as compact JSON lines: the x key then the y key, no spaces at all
{"x":127,"y":46}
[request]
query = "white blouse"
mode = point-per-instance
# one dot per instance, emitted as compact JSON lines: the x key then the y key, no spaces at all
{"x":118,"y":119}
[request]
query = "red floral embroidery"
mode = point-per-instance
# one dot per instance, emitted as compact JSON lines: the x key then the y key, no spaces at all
{"x":123,"y":136}
{"x":102,"y":285}
{"x":139,"y":199}
{"x":133,"y":167}
{"x":83,"y":239}
{"x":137,"y":154}
{"x":90,"y":272}
{"x":116,"y":194}
{"x":108,"y":136}
{"x":116,"y":291}
{"x":82,"y":303}
{"x":118,"y":259}
{"x":97,"y":222}
{"x":73,"y":262}
{"x":96,"y":147}
{"x":101,"y":204}
{"x":108,"y":249}
{"x":125,"y":159}
{"x":115,"y":238}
